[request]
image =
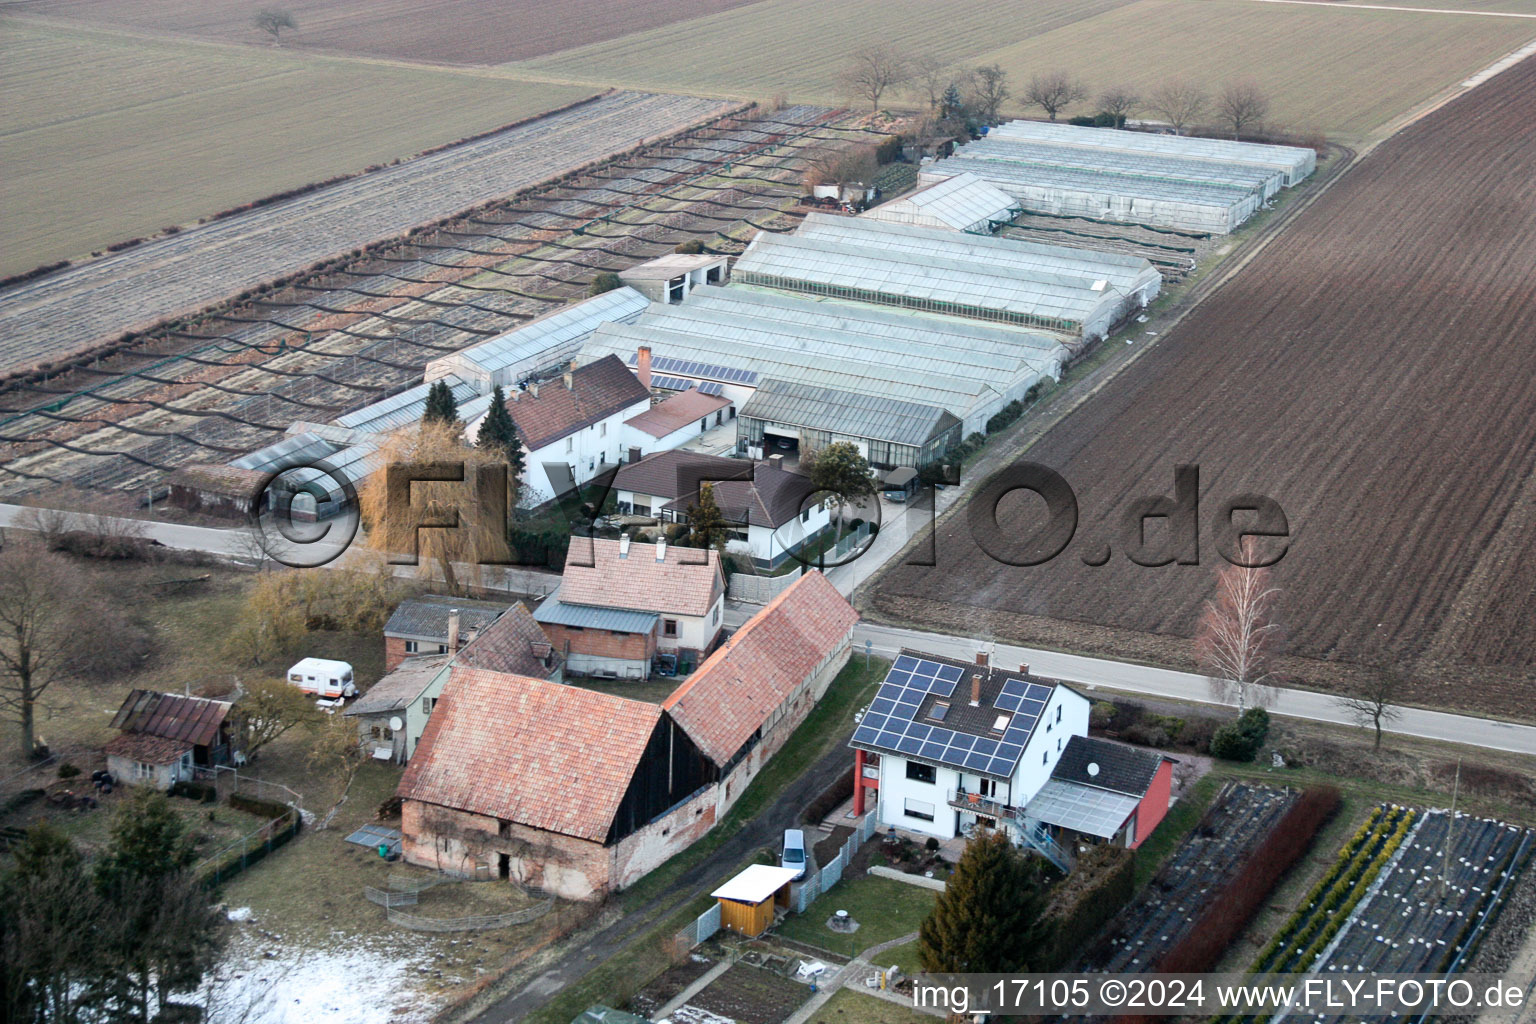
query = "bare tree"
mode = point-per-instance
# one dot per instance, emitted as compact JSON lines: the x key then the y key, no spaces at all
{"x":272,"y":20}
{"x":841,"y":166}
{"x":336,"y":755}
{"x":267,"y":710}
{"x":872,"y":71}
{"x":1051,"y":91}
{"x":55,"y":620}
{"x":1237,"y":638}
{"x":48,"y":523}
{"x":989,"y":90}
{"x":1241,"y":104}
{"x":1120,"y":102}
{"x":1179,"y":101}
{"x":930,"y":76}
{"x":1374,"y":704}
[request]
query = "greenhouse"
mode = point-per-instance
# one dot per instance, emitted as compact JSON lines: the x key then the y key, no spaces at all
{"x":961,"y":203}
{"x":1135,"y":164}
{"x":1294,"y":162}
{"x":888,"y":433}
{"x":1076,"y":292}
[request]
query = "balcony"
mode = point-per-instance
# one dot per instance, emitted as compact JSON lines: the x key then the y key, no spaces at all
{"x":975,"y":803}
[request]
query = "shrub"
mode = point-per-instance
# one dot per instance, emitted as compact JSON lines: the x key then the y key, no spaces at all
{"x":68,"y":771}
{"x":931,"y":844}
{"x":1081,"y":121}
{"x":1103,"y":882}
{"x":1104,"y":119}
{"x":199,"y":791}
{"x":690,"y":247}
{"x":607,"y":281}
{"x":1148,"y":734}
{"x":889,"y":151}
{"x":828,"y":799}
{"x":268,"y":809}
{"x":1101,"y":714}
{"x":1243,"y":739}
{"x":1197,"y":734}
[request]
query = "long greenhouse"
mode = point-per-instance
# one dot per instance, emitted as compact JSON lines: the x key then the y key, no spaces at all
{"x":1295,"y":162}
{"x":1075,"y":292}
{"x":1127,"y":163}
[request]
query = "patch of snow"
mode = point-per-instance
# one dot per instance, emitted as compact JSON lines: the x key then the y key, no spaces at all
{"x":268,"y":981}
{"x":239,"y":914}
{"x":691,"y":1014}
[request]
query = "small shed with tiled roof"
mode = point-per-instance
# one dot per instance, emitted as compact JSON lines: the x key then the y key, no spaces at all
{"x":166,"y":737}
{"x":553,"y":786}
{"x":678,"y":420}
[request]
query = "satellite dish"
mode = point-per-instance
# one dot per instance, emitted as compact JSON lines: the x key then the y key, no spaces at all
{"x":1093,"y":768}
{"x":397,"y":725}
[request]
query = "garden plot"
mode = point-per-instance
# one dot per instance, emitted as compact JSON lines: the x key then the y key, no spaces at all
{"x":1427,"y":911}
{"x":1238,"y":822}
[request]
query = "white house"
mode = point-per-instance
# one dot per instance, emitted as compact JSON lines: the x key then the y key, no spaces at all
{"x":965,"y":744}
{"x":676,"y":420}
{"x":571,"y":426}
{"x":774,"y":512}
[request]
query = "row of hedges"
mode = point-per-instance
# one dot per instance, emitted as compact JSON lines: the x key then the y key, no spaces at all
{"x":282,"y":831}
{"x":1078,"y":911}
{"x":829,"y":799}
{"x":202,"y":792}
{"x":35,"y":272}
{"x":1228,"y":912}
{"x":267,"y":809}
{"x":1134,"y":723}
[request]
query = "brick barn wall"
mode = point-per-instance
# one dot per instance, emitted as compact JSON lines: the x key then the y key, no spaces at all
{"x":642,"y":851}
{"x":603,"y":643}
{"x":394,"y":653}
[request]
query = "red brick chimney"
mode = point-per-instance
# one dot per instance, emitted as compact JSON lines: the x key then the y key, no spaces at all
{"x":976,"y":690}
{"x":643,"y":366}
{"x":1023,"y":670}
{"x":983,"y":659}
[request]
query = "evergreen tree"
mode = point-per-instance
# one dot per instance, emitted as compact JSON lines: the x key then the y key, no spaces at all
{"x":707,"y":526}
{"x":952,"y":105}
{"x":441,"y":405}
{"x":989,"y":919}
{"x":498,"y":433}
{"x":49,"y":913}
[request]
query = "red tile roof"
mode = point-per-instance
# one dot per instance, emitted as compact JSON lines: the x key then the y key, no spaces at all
{"x":597,"y":390}
{"x":687,"y":582}
{"x":740,"y":686}
{"x":193,"y":719}
{"x":514,"y":643}
{"x":156,"y":750}
{"x":677,"y":412}
{"x":552,"y":757}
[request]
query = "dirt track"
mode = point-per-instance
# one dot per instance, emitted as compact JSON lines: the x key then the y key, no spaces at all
{"x":1369,"y":371}
{"x":82,"y":306}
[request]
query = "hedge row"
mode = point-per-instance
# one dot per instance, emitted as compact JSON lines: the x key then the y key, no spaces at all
{"x":250,"y":857}
{"x":46,"y":268}
{"x":829,"y":799}
{"x":1228,"y":911}
{"x":268,"y":809}
{"x":1083,"y":913}
{"x":202,"y":792}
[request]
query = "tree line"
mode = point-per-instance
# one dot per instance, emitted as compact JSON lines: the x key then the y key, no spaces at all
{"x":957,"y":96}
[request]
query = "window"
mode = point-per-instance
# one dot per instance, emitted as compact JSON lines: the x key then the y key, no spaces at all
{"x":1058,"y":712}
{"x":805,"y":516}
{"x":920,"y":773}
{"x":602,"y":429}
{"x":389,"y":733}
{"x":144,"y":771}
{"x":1001,"y":723}
{"x":374,"y":732}
{"x":669,"y":627}
{"x":570,"y":444}
{"x":427,"y":704}
{"x":1058,"y":745}
{"x":938,"y":711}
{"x":410,"y":647}
{"x":442,"y":648}
{"x":920,"y":810}
{"x":714,"y":620}
{"x":1043,"y":755}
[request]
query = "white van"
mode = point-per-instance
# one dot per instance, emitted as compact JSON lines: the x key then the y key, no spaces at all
{"x":794,"y":852}
{"x":322,"y":677}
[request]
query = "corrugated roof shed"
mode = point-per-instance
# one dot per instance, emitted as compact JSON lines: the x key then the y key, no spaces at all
{"x":1297,"y":161}
{"x":155,"y":750}
{"x":194,"y":720}
{"x":405,"y":409}
{"x":844,"y":412}
{"x":1153,"y":166}
{"x":738,"y":687}
{"x":400,"y":687}
{"x":555,"y":612}
{"x":552,"y":757}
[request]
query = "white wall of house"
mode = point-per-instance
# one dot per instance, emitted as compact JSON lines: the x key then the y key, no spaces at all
{"x":693,"y":631}
{"x":769,"y":547}
{"x":648,"y":443}
{"x":160,"y":776}
{"x":1066,"y":715}
{"x":902,"y":799}
{"x":586,"y":451}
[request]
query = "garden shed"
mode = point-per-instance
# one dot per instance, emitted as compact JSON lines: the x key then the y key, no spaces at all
{"x":747,"y":901}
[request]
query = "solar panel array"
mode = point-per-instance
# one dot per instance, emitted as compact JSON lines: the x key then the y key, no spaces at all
{"x":694,"y":368}
{"x":670,"y":383}
{"x":890,"y":723}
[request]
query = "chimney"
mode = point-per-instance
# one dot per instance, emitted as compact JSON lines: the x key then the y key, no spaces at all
{"x":643,"y":366}
{"x":976,"y":690}
{"x":570,"y":380}
{"x":634,"y":455}
{"x":533,"y":389}
{"x":541,"y":651}
{"x":661,"y":549}
{"x":623,"y":545}
{"x":982,"y":659}
{"x":1023,"y":670}
{"x":453,"y":631}
{"x":776,"y":462}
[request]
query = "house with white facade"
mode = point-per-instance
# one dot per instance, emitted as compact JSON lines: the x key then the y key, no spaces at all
{"x":571,"y":426}
{"x":773,"y":512}
{"x":676,"y":420}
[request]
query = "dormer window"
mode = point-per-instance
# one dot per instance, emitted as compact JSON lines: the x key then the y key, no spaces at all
{"x":1001,"y":725}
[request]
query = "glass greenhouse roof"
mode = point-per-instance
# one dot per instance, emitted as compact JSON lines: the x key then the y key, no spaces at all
{"x":963,"y":202}
{"x":1289,"y":157}
{"x":404,"y":409}
{"x":555,"y":337}
{"x":846,"y":412}
{"x":1134,"y":163}
{"x":1009,"y":175}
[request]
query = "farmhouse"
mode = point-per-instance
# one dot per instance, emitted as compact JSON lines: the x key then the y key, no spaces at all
{"x":1199,"y":185}
{"x":768,"y":507}
{"x":580,"y":792}
{"x":572,"y":426}
{"x":1079,"y":293}
{"x":619,"y":604}
{"x":435,"y":624}
{"x":962,"y":202}
{"x":166,"y":738}
{"x":390,"y":717}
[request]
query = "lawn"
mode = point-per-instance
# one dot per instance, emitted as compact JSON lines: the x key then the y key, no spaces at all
{"x":1180,"y":821}
{"x":1326,"y":68}
{"x":884,"y":908}
{"x":850,"y":1007}
{"x":108,"y":136}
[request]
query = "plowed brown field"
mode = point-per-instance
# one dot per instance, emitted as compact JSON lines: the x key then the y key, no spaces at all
{"x":1371,"y":371}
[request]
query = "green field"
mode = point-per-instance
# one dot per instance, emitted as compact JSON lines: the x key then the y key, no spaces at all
{"x":1326,"y":68}
{"x":108,"y":135}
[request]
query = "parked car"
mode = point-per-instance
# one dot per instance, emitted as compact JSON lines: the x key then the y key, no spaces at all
{"x":794,"y":852}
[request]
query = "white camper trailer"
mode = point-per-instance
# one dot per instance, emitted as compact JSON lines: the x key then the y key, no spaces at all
{"x":322,"y":677}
